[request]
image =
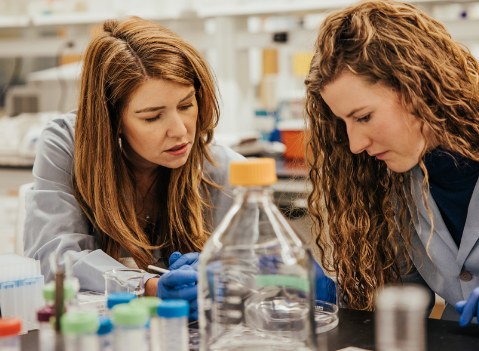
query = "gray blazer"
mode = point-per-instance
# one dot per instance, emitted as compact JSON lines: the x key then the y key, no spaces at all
{"x":56,"y":223}
{"x":442,"y":265}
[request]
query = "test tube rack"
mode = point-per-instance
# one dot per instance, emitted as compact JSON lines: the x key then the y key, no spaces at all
{"x":21,"y":289}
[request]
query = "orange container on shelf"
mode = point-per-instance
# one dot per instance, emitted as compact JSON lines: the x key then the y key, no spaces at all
{"x":292,"y":136}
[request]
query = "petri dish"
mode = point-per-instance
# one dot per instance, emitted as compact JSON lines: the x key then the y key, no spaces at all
{"x":325,"y":316}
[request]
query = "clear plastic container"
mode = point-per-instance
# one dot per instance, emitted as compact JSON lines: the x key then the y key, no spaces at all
{"x":173,"y":316}
{"x":325,"y":316}
{"x":256,"y":277}
{"x":150,"y":303}
{"x":9,"y":330}
{"x":105,"y":333}
{"x":46,"y":335}
{"x":130,"y":332}
{"x":79,"y":331}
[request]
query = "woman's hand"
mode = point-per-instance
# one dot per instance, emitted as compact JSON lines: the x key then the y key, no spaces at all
{"x":468,"y":309}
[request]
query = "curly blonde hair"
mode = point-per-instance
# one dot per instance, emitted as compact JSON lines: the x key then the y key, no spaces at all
{"x":355,"y":197}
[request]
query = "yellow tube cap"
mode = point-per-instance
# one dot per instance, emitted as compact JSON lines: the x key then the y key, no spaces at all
{"x":253,"y":172}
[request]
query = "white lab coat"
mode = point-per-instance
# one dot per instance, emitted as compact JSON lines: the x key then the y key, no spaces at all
{"x":441,"y":269}
{"x":56,"y":223}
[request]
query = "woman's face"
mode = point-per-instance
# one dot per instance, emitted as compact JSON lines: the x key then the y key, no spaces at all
{"x":159,"y":124}
{"x":376,"y":122}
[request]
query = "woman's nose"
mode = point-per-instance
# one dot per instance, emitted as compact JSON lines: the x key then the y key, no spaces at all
{"x":176,"y":127}
{"x":358,"y":141}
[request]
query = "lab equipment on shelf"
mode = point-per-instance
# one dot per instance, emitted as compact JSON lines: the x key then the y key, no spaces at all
{"x":400,"y":320}
{"x":130,"y":332}
{"x":79,"y":330}
{"x":173,"y":332}
{"x":256,"y":277}
{"x":21,"y":286}
{"x":9,"y":330}
{"x":126,"y":280}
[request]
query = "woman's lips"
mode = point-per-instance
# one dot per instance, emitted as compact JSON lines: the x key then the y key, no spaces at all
{"x":178,"y":151}
{"x":381,"y":155}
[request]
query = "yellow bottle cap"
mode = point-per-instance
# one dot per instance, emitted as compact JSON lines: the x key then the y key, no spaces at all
{"x":253,"y":172}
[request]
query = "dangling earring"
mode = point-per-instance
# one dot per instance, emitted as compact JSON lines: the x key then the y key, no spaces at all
{"x":119,"y":143}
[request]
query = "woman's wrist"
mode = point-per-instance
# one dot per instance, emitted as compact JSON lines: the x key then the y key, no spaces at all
{"x":151,"y":286}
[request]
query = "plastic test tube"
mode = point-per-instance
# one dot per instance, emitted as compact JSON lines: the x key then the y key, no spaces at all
{"x":173,"y":315}
{"x":79,"y":330}
{"x":105,"y":333}
{"x":150,"y":303}
{"x":9,"y":330}
{"x":130,"y":332}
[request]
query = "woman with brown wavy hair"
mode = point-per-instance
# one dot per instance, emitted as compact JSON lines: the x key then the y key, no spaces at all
{"x":393,"y":110}
{"x":132,"y":176}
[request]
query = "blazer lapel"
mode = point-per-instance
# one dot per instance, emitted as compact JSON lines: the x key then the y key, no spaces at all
{"x":423,"y":226}
{"x":470,"y":234}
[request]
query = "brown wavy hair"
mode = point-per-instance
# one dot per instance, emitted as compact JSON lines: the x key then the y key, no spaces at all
{"x":117,"y":61}
{"x":355,"y":197}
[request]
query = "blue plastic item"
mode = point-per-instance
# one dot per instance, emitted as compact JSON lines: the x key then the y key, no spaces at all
{"x":173,"y":308}
{"x":118,"y":298}
{"x":325,"y":287}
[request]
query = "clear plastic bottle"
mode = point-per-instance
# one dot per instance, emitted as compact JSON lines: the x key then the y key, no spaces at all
{"x":79,"y":331}
{"x":105,"y":333}
{"x":150,"y":303}
{"x":9,"y":330}
{"x":173,"y":316}
{"x":130,"y":331}
{"x":256,"y":277}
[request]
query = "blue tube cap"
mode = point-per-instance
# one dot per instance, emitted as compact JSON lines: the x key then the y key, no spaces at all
{"x":173,"y":308}
{"x":106,"y":326}
{"x":118,"y":298}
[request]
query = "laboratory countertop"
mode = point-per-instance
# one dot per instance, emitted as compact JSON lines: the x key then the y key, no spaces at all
{"x":356,"y":328}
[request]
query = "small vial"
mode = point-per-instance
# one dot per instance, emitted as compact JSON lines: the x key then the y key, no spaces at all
{"x":150,"y":303}
{"x":105,"y":333}
{"x":401,"y":318}
{"x":118,"y":298}
{"x":9,"y":330}
{"x":79,"y":330}
{"x":173,"y":316}
{"x":46,"y":332}
{"x":130,"y":331}
{"x":68,"y":294}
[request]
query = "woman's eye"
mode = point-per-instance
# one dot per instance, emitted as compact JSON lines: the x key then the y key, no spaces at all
{"x":185,"y":107}
{"x":364,"y":119}
{"x":152,"y":119}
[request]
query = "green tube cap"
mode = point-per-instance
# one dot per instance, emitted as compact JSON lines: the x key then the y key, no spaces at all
{"x":148,"y":302}
{"x":129,"y":315}
{"x":79,"y":322}
{"x":49,"y":291}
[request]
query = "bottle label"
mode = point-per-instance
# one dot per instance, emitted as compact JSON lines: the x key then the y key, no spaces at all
{"x":283,"y":280}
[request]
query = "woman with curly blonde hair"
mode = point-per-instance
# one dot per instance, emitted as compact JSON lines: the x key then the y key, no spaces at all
{"x":393,"y":110}
{"x":132,"y":177}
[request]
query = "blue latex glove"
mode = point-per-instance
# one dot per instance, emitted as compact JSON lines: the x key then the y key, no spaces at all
{"x":178,"y":284}
{"x":178,"y":260}
{"x":325,"y":287}
{"x":468,"y":309}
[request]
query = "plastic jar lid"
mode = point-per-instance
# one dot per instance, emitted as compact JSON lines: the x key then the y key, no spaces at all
{"x":129,"y":315}
{"x":118,"y":298}
{"x":148,"y":302}
{"x":106,"y":326}
{"x":254,"y":172}
{"x":44,"y":313}
{"x":79,"y":322}
{"x":10,"y":326}
{"x":49,"y":291}
{"x":173,"y":308}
